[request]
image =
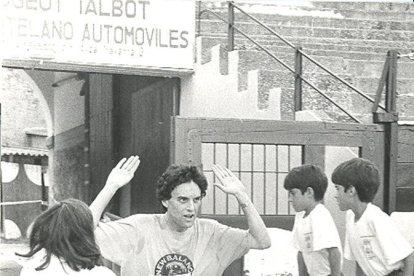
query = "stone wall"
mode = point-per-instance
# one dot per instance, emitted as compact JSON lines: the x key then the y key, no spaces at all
{"x":20,"y":110}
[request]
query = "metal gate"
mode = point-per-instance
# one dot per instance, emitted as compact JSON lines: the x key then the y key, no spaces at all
{"x":261,"y":153}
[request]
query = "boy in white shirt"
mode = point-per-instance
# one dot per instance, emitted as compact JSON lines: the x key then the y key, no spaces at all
{"x":371,"y":238}
{"x":314,"y":231}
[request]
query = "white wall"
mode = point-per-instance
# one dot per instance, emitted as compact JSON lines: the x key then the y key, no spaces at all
{"x":69,"y":105}
{"x":207,"y":93}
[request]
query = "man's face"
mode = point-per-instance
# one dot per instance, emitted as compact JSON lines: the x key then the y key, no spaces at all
{"x":298,"y":200}
{"x":342,"y":197}
{"x":183,"y":206}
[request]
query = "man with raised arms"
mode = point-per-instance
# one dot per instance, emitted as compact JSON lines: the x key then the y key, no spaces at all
{"x":176,"y":242}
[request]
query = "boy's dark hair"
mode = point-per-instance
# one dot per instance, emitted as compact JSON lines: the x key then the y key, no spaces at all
{"x":306,"y":176}
{"x":66,"y":231}
{"x":359,"y":173}
{"x":176,"y":175}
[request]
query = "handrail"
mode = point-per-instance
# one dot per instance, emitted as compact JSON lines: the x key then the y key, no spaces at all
{"x":263,"y":25}
{"x":381,"y":84}
{"x":286,"y":66}
{"x":253,"y":41}
{"x":306,"y":55}
{"x":300,"y":76}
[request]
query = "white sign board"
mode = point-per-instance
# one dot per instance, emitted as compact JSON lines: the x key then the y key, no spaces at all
{"x":134,"y":33}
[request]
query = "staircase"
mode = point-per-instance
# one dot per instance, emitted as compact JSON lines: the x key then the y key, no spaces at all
{"x":350,"y":39}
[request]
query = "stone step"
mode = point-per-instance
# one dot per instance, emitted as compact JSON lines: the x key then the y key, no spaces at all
{"x":405,"y":69}
{"x":312,"y":100}
{"x":383,"y":16}
{"x":397,"y":24}
{"x":218,"y":27}
{"x":377,"y":10}
{"x":258,"y":60}
{"x":405,"y":105}
{"x":405,"y":94}
{"x":353,"y":42}
{"x":362,"y":74}
{"x":268,"y":80}
{"x":315,"y":52}
{"x":370,"y":85}
{"x":371,"y":68}
{"x":398,"y":7}
{"x":304,"y":40}
{"x":351,"y":101}
{"x":348,"y":55}
{"x":325,"y":44}
{"x":339,"y":92}
{"x":346,"y":9}
{"x":255,"y":60}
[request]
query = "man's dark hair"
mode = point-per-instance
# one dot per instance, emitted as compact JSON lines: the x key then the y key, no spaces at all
{"x":176,"y":175}
{"x":306,"y":176}
{"x":359,"y":173}
{"x":66,"y":231}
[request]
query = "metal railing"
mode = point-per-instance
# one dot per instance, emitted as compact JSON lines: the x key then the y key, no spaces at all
{"x":299,"y":54}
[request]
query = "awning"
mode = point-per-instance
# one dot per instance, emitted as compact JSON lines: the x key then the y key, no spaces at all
{"x":23,"y":151}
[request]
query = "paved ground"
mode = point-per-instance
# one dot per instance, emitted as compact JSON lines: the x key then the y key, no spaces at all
{"x":8,"y":267}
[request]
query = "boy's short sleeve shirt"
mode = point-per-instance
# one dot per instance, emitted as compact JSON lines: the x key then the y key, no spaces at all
{"x":375,"y":242}
{"x":141,"y":246}
{"x":312,"y":236}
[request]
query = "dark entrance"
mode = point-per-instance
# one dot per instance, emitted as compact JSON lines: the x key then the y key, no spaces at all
{"x":137,"y":120}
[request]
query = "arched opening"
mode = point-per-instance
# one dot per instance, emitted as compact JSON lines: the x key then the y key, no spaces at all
{"x":26,"y":124}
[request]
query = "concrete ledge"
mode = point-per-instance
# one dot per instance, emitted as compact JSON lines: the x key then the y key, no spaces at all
{"x":70,"y":138}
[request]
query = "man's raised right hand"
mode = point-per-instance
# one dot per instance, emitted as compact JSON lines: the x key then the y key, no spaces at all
{"x":123,"y":172}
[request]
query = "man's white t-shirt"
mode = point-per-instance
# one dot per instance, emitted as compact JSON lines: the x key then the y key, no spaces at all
{"x":312,"y":236}
{"x":57,"y":267}
{"x":141,"y":245}
{"x":375,"y":242}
